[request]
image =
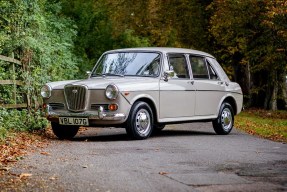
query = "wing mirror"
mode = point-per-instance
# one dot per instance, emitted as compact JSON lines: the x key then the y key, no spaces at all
{"x":168,"y":74}
{"x":89,"y":73}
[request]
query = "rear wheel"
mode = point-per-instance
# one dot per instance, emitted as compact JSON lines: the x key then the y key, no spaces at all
{"x":140,"y":121}
{"x":225,"y":120}
{"x":64,"y":131}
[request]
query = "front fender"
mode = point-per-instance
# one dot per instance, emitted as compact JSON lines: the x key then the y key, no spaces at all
{"x":152,"y":97}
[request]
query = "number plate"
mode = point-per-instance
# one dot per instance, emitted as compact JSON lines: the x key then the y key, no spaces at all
{"x":73,"y":121}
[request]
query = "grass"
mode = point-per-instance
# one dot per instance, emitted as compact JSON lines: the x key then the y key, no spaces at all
{"x":266,"y":124}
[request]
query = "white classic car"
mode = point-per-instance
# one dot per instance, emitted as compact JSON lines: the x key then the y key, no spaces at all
{"x":142,"y":90}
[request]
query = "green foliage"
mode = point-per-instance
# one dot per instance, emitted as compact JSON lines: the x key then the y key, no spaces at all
{"x":15,"y":120}
{"x":98,"y":31}
{"x":3,"y":133}
{"x":21,"y":120}
{"x":94,"y":31}
{"x":108,"y":24}
{"x":42,"y":38}
{"x":37,"y":33}
{"x":129,"y":39}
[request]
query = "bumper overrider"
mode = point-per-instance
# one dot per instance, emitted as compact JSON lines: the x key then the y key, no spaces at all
{"x":100,"y":114}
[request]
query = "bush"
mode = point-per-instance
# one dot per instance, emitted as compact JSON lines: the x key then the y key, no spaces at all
{"x":3,"y":133}
{"x":20,"y":120}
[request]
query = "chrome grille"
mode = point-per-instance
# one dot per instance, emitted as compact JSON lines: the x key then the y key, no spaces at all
{"x":76,"y":97}
{"x":56,"y":106}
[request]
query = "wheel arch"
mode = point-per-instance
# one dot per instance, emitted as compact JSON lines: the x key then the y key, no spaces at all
{"x":152,"y":105}
{"x":232,"y":102}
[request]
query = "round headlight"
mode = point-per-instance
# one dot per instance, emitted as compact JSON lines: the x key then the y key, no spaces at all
{"x":46,"y":91}
{"x":112,"y":92}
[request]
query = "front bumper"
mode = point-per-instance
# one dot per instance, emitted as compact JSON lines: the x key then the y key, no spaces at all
{"x":100,"y":114}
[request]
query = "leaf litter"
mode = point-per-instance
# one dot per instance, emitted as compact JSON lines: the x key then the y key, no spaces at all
{"x":13,"y":149}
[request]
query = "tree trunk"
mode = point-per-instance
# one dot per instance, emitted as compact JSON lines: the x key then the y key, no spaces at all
{"x":282,"y":92}
{"x":284,"y":96}
{"x":271,"y":91}
{"x":248,"y":85}
{"x":273,"y":100}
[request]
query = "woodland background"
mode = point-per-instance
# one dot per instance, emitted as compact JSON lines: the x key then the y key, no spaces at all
{"x":61,"y":39}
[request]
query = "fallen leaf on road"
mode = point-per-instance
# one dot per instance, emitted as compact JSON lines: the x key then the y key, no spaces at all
{"x":24,"y":175}
{"x":9,"y":159}
{"x":44,"y":153}
{"x":162,"y":173}
{"x":5,"y":168}
{"x":53,"y":178}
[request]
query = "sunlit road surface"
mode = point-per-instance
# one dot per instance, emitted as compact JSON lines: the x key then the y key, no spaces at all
{"x":187,"y":157}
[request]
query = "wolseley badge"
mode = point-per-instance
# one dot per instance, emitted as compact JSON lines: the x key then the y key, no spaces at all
{"x":74,"y":91}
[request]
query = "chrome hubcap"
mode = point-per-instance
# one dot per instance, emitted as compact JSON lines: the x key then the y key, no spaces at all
{"x":226,"y":119}
{"x":143,"y":124}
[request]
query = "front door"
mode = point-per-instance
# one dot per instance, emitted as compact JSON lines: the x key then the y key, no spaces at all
{"x":177,"y":95}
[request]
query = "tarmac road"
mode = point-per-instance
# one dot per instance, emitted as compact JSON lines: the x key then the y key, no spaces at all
{"x":187,"y":157}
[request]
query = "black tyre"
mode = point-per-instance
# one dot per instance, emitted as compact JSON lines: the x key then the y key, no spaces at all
{"x":225,"y":120}
{"x":64,"y":131}
{"x":140,"y":121}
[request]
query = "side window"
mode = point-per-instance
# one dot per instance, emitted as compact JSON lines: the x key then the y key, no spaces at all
{"x":178,"y":64}
{"x":199,"y":68}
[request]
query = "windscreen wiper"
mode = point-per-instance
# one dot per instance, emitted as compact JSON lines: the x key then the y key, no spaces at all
{"x":106,"y":74}
{"x":112,"y":74}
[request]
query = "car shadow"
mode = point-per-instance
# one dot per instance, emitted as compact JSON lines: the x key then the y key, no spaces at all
{"x":167,"y":133}
{"x":122,"y":136}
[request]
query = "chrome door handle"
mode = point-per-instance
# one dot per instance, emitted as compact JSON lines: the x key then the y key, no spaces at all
{"x":191,"y":82}
{"x":220,"y":82}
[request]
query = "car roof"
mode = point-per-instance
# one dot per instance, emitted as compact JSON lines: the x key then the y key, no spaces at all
{"x":163,"y":50}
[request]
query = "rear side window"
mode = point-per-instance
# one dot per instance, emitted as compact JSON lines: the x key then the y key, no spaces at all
{"x":178,"y":64}
{"x":201,"y":69}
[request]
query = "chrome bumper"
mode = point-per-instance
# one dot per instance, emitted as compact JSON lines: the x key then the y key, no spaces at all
{"x":95,"y":115}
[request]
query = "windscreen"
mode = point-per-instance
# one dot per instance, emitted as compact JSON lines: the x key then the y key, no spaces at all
{"x":128,"y":64}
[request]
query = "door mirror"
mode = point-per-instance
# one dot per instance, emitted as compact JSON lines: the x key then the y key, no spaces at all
{"x":168,"y":74}
{"x":89,"y":73}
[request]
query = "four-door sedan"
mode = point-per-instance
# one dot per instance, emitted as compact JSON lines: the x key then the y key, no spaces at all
{"x":143,"y":89}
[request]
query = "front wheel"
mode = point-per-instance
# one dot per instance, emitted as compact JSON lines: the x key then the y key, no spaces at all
{"x":225,"y":120}
{"x":140,"y":121}
{"x":64,"y":131}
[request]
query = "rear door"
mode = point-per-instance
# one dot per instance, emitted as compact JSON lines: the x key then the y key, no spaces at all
{"x":209,"y":88}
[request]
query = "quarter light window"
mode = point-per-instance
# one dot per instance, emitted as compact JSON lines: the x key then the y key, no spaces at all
{"x":178,"y":64}
{"x":212,"y":73}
